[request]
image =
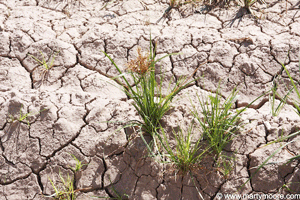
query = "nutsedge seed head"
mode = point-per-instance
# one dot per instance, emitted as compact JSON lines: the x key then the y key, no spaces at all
{"x":141,"y":64}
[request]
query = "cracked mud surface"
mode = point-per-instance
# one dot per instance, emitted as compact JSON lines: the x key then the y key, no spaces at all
{"x":84,"y":104}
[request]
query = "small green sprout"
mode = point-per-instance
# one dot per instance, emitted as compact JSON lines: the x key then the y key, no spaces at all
{"x":78,"y":166}
{"x":67,"y":190}
{"x":275,"y":110}
{"x":15,"y":124}
{"x":225,"y":165}
{"x":286,"y":186}
{"x":46,"y":68}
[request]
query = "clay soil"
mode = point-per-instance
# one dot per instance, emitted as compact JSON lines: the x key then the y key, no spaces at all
{"x":85,"y":108}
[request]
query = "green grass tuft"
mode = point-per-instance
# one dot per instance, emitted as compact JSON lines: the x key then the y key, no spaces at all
{"x":219,"y":122}
{"x":186,"y":155}
{"x":146,"y":92}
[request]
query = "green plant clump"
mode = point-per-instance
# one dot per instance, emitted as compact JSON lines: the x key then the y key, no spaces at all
{"x":146,"y":93}
{"x":66,"y":190}
{"x":219,"y":123}
{"x":187,"y":154}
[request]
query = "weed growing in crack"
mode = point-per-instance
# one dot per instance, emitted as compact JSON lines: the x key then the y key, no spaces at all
{"x":287,"y":187}
{"x":275,"y":110}
{"x":283,"y":101}
{"x":186,"y":156}
{"x":66,"y":190}
{"x":15,"y":125}
{"x":218,"y":121}
{"x":151,"y":105}
{"x":225,"y":165}
{"x":146,"y":93}
{"x":79,"y":164}
{"x":281,"y":139}
{"x":296,"y":104}
{"x":44,"y":74}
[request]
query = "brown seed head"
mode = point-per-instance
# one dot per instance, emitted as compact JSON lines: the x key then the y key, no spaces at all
{"x":141,"y":64}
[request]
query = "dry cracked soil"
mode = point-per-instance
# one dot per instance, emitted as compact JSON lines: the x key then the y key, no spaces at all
{"x":82,"y":107}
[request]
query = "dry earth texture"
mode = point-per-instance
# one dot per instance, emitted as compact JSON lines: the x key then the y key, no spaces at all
{"x":71,"y":106}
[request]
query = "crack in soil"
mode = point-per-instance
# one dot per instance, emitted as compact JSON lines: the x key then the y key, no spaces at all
{"x":81,"y":61}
